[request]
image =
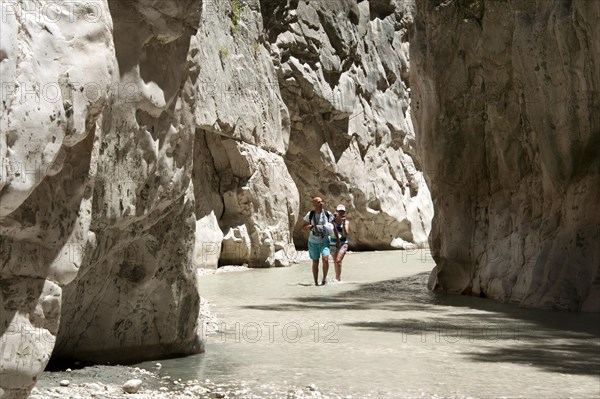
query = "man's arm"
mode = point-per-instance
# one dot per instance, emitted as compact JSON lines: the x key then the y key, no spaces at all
{"x":306,"y":222}
{"x":305,"y":225}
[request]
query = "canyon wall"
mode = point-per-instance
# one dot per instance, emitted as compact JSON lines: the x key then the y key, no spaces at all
{"x":505,"y":99}
{"x":343,"y":70}
{"x":55,"y":69}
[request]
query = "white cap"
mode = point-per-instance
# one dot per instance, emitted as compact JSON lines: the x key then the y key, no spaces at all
{"x":341,"y":207}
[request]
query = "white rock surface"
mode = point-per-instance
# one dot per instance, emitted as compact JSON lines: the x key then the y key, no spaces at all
{"x":135,"y":296}
{"x":505,"y":100}
{"x":343,"y":72}
{"x":56,"y":69}
{"x":241,"y":139}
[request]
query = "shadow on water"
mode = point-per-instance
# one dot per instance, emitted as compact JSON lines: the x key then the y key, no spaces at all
{"x":489,"y":331}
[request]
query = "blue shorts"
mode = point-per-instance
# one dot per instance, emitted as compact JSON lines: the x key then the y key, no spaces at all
{"x":318,"y":249}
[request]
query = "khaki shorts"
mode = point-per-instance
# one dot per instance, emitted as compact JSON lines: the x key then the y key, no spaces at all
{"x":335,"y":250}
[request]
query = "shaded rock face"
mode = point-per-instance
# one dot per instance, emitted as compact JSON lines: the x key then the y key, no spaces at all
{"x":343,"y":68}
{"x":135,"y":295}
{"x":505,"y":100}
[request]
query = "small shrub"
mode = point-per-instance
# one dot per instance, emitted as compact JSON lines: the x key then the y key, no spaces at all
{"x":256,"y":49}
{"x":236,"y":12}
{"x":223,"y":53}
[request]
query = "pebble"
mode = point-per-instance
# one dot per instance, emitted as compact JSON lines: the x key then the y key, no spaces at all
{"x":132,"y":386}
{"x":92,"y":386}
{"x":312,"y":387}
{"x":64,"y":383}
{"x":219,"y":395}
{"x":158,"y":365}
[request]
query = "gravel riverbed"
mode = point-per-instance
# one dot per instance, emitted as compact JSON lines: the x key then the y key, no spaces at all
{"x":108,"y":382}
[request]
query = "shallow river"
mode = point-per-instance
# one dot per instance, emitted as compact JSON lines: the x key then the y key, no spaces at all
{"x":380,"y":332}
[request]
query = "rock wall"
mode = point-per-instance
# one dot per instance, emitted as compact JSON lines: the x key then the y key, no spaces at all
{"x":343,"y":69}
{"x":246,"y":207}
{"x":53,"y":64}
{"x":135,"y":160}
{"x":505,"y":100}
{"x":135,"y":295}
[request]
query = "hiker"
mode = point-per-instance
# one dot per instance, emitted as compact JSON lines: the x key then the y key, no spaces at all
{"x":318,"y":221}
{"x":338,"y":241}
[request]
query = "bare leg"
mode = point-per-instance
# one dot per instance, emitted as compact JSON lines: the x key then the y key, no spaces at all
{"x":315,"y":268}
{"x":338,"y":265}
{"x":325,"y":268}
{"x":338,"y":269}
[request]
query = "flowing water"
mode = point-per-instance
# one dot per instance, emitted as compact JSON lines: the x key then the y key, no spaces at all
{"x":382,"y":333}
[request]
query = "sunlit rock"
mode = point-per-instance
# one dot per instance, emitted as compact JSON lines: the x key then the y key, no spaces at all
{"x":343,"y":72}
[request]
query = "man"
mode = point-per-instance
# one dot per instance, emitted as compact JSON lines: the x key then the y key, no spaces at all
{"x":318,"y":222}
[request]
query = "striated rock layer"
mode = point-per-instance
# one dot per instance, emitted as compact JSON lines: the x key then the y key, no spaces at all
{"x":505,"y":100}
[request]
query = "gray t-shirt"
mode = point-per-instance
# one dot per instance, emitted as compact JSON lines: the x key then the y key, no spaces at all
{"x":320,"y":219}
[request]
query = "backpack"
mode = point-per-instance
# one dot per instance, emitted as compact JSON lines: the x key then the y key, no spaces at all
{"x":318,"y":230}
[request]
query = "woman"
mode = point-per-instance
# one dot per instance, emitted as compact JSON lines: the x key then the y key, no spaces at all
{"x":338,"y":242}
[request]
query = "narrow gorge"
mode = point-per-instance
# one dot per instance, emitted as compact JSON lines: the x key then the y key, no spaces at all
{"x":141,"y":140}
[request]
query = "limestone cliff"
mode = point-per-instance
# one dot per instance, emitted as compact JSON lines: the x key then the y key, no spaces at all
{"x":136,"y":287}
{"x":55,"y":69}
{"x":505,"y":102}
{"x":245,"y":206}
{"x":343,"y":68}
